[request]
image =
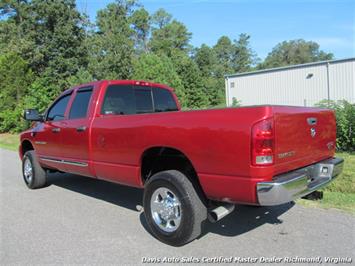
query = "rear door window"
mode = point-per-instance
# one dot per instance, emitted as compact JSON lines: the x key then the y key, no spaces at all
{"x":80,"y":104}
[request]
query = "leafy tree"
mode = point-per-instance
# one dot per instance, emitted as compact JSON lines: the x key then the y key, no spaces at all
{"x":14,"y":9}
{"x":195,"y":93}
{"x":39,"y":95}
{"x":244,"y":57}
{"x":14,"y":80}
{"x":14,"y":83}
{"x":206,"y":60}
{"x":215,"y":90}
{"x":111,"y":46}
{"x":46,"y":38}
{"x":141,"y":20}
{"x":14,"y":28}
{"x":161,"y":18}
{"x":294,"y":52}
{"x":81,"y":76}
{"x":173,"y":36}
{"x":160,"y":69}
{"x":345,"y":117}
{"x":236,"y":56}
{"x":47,"y":34}
{"x":58,"y":36}
{"x":224,"y":50}
{"x":225,"y":57}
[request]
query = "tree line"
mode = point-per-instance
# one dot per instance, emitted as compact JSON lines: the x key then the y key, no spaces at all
{"x":49,"y":46}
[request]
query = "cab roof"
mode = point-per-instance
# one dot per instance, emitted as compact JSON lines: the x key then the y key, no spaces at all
{"x":121,"y":82}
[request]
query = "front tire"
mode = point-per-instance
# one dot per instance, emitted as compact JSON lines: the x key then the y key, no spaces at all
{"x":33,"y":174}
{"x":173,"y":210}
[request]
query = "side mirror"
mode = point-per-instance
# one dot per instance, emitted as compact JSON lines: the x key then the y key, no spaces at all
{"x":32,"y":115}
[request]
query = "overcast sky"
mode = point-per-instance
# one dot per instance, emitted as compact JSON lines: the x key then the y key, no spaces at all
{"x":331,"y":23}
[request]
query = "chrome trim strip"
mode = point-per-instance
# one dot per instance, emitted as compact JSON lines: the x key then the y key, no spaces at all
{"x":41,"y":142}
{"x":64,"y":162}
{"x":298,"y":183}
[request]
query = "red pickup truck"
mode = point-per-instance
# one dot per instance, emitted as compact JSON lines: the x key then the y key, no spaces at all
{"x":193,"y":165}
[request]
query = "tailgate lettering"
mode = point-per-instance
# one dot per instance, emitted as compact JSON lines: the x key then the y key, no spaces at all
{"x":286,"y":154}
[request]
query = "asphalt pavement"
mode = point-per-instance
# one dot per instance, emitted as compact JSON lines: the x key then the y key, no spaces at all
{"x":78,"y":220}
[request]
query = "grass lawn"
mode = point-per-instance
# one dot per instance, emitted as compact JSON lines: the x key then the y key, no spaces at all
{"x":9,"y":141}
{"x":340,"y":194}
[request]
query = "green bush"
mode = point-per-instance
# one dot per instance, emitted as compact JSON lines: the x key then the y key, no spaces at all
{"x":11,"y":120}
{"x":236,"y":103}
{"x":15,"y":78}
{"x":345,"y":115}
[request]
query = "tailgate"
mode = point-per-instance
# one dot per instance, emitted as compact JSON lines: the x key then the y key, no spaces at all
{"x":303,"y":136}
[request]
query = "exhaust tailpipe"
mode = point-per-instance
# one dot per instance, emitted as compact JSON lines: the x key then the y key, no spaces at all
{"x":219,"y":212}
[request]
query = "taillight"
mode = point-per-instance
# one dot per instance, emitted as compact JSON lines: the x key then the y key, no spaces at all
{"x":262,"y":143}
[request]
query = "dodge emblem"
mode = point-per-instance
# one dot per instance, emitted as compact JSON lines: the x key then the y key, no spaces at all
{"x":313,"y":132}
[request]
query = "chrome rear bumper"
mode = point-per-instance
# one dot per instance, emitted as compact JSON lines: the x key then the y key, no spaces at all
{"x":290,"y":186}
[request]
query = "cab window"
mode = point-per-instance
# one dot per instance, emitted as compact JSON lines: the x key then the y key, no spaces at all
{"x":119,"y":100}
{"x":163,"y":100}
{"x":57,"y":110}
{"x":127,"y":99}
{"x":80,"y":104}
{"x":144,"y":102}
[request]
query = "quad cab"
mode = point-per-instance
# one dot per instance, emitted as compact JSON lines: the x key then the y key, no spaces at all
{"x":192,"y":165}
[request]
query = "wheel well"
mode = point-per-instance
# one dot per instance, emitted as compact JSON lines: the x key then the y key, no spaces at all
{"x":159,"y":159}
{"x":26,"y":146}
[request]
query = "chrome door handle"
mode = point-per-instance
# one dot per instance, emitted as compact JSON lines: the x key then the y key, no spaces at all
{"x":56,"y":130}
{"x":81,"y":129}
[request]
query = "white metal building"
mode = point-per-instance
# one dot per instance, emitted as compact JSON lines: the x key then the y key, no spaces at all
{"x":302,"y":85}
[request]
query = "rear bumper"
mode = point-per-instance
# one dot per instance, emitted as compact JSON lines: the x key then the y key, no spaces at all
{"x":290,"y":186}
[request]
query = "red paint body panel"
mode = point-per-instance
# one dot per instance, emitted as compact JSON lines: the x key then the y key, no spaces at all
{"x":293,"y":133}
{"x":216,"y":141}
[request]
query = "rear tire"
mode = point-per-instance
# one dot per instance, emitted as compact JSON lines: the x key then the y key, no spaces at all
{"x":33,"y":174}
{"x":173,"y":210}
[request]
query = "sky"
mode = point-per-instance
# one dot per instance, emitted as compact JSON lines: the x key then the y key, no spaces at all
{"x":331,"y":23}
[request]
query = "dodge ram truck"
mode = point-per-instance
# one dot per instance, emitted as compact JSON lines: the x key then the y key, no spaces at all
{"x":194,"y":166}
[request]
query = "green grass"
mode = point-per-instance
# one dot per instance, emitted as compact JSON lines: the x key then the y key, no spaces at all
{"x":345,"y":183}
{"x":333,"y":200}
{"x":9,"y":141}
{"x":340,"y":194}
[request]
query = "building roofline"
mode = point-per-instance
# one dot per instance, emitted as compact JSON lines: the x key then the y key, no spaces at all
{"x":289,"y":67}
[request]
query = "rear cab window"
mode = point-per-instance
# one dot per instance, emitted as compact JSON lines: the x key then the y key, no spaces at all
{"x":128,"y":99}
{"x":163,"y":100}
{"x":144,"y":100}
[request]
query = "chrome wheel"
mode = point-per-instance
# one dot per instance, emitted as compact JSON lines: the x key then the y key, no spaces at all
{"x":165,"y":207}
{"x":27,"y":170}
